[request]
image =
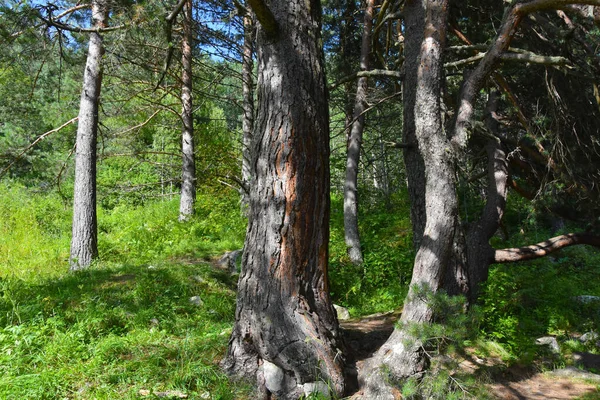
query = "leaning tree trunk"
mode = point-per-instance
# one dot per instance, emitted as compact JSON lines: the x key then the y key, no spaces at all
{"x":286,"y":332}
{"x":248,"y":105}
{"x":351,"y":232}
{"x":188,"y":175}
{"x":84,"y":242}
{"x":402,"y":356}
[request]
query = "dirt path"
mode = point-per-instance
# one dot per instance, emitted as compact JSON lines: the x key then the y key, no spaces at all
{"x":364,"y":336}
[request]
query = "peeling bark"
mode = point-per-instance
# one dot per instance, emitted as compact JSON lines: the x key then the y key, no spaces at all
{"x":84,"y":242}
{"x":286,"y":335}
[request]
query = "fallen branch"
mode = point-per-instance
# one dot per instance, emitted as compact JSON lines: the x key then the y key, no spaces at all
{"x":544,"y":248}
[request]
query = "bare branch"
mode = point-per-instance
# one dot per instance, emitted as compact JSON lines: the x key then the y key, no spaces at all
{"x":515,"y":55}
{"x":369,"y":74}
{"x":477,"y":78}
{"x":398,"y":145}
{"x":36,"y":141}
{"x":544,"y":248}
{"x":66,"y":27}
{"x":141,"y":125}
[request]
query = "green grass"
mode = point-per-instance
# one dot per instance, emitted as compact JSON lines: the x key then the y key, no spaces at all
{"x":111,"y":332}
{"x":381,"y":283}
{"x":127,"y":324}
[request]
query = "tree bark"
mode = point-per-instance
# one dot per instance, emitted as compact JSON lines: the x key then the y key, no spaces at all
{"x":84,"y":242}
{"x":413,"y":159}
{"x":544,"y":248}
{"x":402,"y":356}
{"x":479,"y":233}
{"x":248,"y":105}
{"x":351,"y":233}
{"x":286,"y":333}
{"x":188,"y":174}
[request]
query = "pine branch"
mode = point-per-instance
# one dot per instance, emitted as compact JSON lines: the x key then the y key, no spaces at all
{"x":544,"y":248}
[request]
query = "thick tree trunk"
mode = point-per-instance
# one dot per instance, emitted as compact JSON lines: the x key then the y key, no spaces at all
{"x":188,"y":174}
{"x":84,"y":242}
{"x":286,"y":332}
{"x":248,"y":119}
{"x":402,"y":355}
{"x":351,"y":233}
{"x":413,"y":159}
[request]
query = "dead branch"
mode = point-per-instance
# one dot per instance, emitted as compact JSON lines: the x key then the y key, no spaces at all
{"x":36,"y":141}
{"x":501,"y":44}
{"x":544,"y":248}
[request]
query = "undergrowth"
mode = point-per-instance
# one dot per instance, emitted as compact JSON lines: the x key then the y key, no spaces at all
{"x":381,"y":283}
{"x":128,"y":325}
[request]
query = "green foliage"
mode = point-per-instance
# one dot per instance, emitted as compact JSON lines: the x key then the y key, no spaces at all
{"x":380,"y":284}
{"x":34,"y":232}
{"x":529,"y":300}
{"x":442,"y":341}
{"x":110,"y":333}
{"x":152,"y":232}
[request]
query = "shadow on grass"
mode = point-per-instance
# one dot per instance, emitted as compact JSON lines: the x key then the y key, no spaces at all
{"x":109,"y":333}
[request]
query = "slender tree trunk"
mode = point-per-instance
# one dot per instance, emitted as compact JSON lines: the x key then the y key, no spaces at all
{"x":84,"y":242}
{"x":188,"y":175}
{"x":351,"y":233}
{"x":479,"y":250}
{"x":248,"y":96}
{"x":286,"y":332}
{"x":402,"y":355}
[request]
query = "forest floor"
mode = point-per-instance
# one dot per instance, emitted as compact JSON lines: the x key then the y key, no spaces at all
{"x":365,"y":335}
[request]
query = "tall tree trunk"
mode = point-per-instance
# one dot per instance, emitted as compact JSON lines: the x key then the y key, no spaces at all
{"x":402,"y":355}
{"x":479,"y":250}
{"x":413,"y":159}
{"x":248,"y":96}
{"x":351,"y":233}
{"x":188,"y":175}
{"x":84,"y":242}
{"x":286,"y":332}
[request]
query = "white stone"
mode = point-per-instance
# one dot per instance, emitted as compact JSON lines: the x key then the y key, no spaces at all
{"x":549,"y":341}
{"x":586,"y":299}
{"x":342,"y":312}
{"x":273,"y":376}
{"x":196,"y":300}
{"x":317,"y":387}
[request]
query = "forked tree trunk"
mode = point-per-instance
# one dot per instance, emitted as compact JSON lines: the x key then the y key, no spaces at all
{"x":84,"y":242}
{"x":402,"y":356}
{"x":188,"y":175}
{"x":351,"y":233}
{"x":248,"y":105}
{"x":286,"y":332}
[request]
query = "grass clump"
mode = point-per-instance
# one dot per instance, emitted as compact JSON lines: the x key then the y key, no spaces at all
{"x":126,"y":326}
{"x":112,"y":332}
